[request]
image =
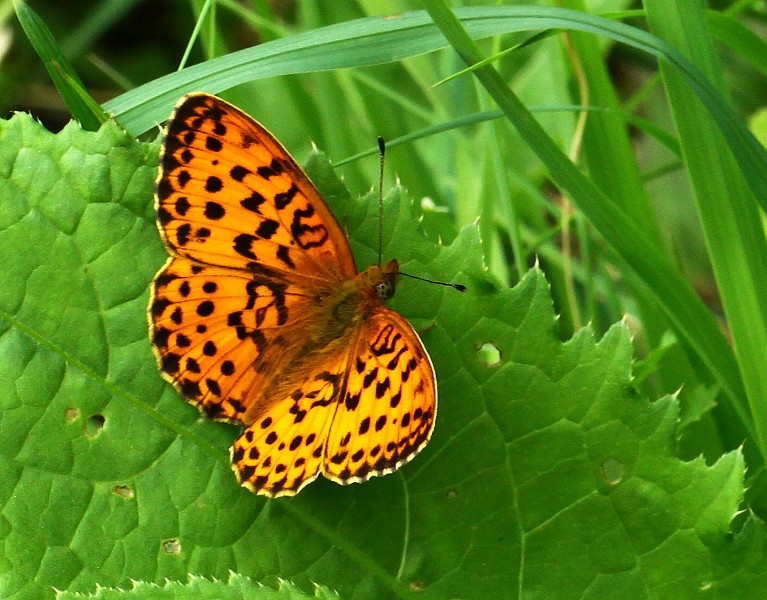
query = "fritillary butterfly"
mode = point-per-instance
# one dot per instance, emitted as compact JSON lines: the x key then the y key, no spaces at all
{"x":260,"y":317}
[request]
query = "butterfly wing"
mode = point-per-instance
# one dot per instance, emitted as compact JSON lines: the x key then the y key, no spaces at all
{"x":254,"y":246}
{"x":228,"y":194}
{"x":364,"y":411}
{"x":283,"y":450}
{"x":222,"y":335}
{"x":387,"y":412}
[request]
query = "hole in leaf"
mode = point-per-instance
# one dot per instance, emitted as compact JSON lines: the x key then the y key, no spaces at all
{"x":489,"y":354}
{"x":93,"y":425}
{"x":171,"y":546}
{"x":612,"y":471}
{"x":123,"y":491}
{"x":71,"y":414}
{"x":416,"y":585}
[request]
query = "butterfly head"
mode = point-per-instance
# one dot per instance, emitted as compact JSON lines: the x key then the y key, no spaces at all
{"x":383,"y":279}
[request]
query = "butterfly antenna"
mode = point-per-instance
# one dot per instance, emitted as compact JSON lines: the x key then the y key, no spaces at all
{"x":381,"y":153}
{"x":456,"y":286}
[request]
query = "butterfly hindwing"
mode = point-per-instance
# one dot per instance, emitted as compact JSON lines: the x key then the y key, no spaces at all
{"x":283,"y":450}
{"x":388,"y":408}
{"x":367,"y":416}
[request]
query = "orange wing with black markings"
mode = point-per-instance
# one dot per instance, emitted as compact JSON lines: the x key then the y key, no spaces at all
{"x":228,"y":194}
{"x":387,"y":411}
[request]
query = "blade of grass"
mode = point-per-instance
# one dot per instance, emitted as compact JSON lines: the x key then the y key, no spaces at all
{"x":375,"y":40}
{"x":199,"y":21}
{"x":728,"y":211}
{"x":673,"y":294}
{"x":609,"y":156}
{"x":749,"y":46}
{"x":87,"y":111}
{"x":462,"y":121}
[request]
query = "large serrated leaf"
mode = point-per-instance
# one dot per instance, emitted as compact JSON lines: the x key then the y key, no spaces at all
{"x":546,"y":476}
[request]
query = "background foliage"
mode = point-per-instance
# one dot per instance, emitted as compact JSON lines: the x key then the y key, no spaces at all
{"x":558,"y":468}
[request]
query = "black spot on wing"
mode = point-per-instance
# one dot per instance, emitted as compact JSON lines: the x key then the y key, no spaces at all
{"x":274,"y":168}
{"x":238,"y":172}
{"x":253,"y":202}
{"x":282,"y":199}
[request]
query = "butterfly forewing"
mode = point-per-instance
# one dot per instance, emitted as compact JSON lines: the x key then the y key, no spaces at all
{"x":228,"y":194}
{"x":222,"y":334}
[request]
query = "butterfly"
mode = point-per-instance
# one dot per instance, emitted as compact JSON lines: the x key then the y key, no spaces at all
{"x":260,"y":317}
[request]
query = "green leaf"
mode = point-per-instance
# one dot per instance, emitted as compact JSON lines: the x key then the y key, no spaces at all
{"x":546,"y":474}
{"x":699,"y":402}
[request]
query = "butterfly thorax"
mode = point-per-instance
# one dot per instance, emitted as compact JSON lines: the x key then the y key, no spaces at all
{"x":338,"y":311}
{"x":351,"y":301}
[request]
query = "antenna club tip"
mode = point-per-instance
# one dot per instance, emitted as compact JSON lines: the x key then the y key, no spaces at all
{"x":460,"y":287}
{"x":381,"y":145}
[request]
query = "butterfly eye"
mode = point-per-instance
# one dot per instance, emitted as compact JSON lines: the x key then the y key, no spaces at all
{"x":385,"y":289}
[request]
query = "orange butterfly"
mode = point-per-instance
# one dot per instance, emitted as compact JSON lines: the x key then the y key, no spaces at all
{"x":260,"y":317}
